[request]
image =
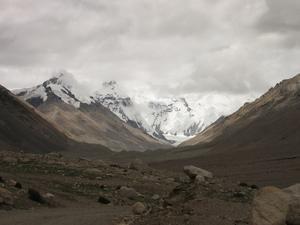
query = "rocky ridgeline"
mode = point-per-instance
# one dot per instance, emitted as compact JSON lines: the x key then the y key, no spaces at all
{"x":194,"y":197}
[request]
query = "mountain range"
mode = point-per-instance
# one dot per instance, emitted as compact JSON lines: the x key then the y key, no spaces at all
{"x":85,"y":118}
{"x":169,"y":120}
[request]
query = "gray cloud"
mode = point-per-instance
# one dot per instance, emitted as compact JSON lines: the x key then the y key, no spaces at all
{"x":166,"y":47}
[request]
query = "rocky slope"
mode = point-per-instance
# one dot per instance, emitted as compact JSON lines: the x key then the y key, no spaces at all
{"x":84,"y":118}
{"x":259,"y":143}
{"x":269,"y":109}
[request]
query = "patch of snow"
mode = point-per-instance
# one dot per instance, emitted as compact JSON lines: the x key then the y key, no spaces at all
{"x":36,"y":92}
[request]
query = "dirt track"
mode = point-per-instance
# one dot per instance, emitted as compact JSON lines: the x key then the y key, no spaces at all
{"x":91,"y":215}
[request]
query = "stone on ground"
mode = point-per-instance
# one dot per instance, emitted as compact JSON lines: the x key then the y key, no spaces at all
{"x":6,"y":197}
{"x":130,"y":193}
{"x":93,"y":172}
{"x":138,"y":164}
{"x":34,"y":195}
{"x":193,"y":172}
{"x":103,"y":200}
{"x":138,"y":208}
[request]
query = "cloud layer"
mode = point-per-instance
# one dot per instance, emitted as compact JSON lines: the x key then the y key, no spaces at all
{"x":233,"y":47}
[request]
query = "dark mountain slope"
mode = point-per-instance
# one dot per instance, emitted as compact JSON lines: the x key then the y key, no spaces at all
{"x":24,"y":128}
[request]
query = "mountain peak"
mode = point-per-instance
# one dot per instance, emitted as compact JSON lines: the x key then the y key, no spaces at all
{"x":290,"y":85}
{"x":63,"y":78}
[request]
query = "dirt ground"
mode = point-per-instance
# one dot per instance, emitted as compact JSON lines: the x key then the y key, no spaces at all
{"x":71,"y":188}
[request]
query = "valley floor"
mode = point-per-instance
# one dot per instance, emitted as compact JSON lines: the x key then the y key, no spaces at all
{"x":83,"y":192}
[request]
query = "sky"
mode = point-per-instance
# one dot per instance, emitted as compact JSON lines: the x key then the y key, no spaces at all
{"x":162,"y":47}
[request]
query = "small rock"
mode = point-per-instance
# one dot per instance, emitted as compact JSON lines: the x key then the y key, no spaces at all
{"x":130,"y":193}
{"x":199,"y":179}
{"x":253,"y":186}
{"x":103,"y":200}
{"x":12,"y":182}
{"x":48,"y":196}
{"x":93,"y":172}
{"x":54,"y":155}
{"x":138,"y":164}
{"x":155,"y":197}
{"x":34,"y":195}
{"x":170,"y":180}
{"x":138,"y":208}
{"x":242,"y":184}
{"x":99,"y":163}
{"x":6,"y":197}
{"x":25,"y":159}
{"x":193,"y":172}
{"x":18,"y":185}
{"x":239,"y":194}
{"x":9,"y":160}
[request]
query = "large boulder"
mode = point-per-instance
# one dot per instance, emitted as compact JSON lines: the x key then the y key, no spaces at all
{"x":270,"y":207}
{"x":6,"y":197}
{"x":193,"y":172}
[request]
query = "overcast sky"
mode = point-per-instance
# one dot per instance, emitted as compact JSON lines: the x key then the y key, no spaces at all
{"x":232,"y":47}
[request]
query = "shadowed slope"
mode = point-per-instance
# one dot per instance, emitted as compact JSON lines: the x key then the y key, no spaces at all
{"x":22,"y":128}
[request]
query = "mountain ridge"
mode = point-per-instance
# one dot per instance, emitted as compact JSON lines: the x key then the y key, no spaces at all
{"x":83,"y":118}
{"x":167,"y":119}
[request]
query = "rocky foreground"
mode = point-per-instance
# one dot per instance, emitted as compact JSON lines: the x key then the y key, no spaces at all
{"x":51,"y":189}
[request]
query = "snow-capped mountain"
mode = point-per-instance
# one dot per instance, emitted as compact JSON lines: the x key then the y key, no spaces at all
{"x":172,"y":119}
{"x":105,"y":117}
{"x":111,"y":96}
{"x":181,"y":118}
{"x":62,"y":85}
